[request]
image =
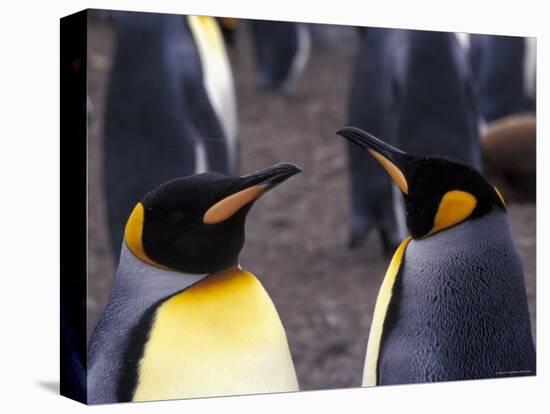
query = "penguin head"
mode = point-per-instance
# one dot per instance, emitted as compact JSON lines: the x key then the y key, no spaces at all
{"x":439,"y":192}
{"x":195,"y":224}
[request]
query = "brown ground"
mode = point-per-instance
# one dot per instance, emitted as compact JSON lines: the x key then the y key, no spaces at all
{"x":296,"y":235}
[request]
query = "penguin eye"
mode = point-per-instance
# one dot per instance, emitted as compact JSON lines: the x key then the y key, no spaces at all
{"x":175,"y":215}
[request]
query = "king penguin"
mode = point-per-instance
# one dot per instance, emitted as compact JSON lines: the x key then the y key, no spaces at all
{"x":452,"y":305}
{"x":183,"y":318}
{"x":170,"y":108}
{"x":416,"y":88}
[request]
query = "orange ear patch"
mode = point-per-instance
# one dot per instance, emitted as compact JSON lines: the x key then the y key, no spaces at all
{"x":395,"y":173}
{"x":455,"y":206}
{"x":225,"y":208}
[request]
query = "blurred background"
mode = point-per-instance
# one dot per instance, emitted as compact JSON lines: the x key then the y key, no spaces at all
{"x":287,"y":89}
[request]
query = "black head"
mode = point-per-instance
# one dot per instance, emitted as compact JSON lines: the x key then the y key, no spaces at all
{"x":196,"y":224}
{"x":439,"y":192}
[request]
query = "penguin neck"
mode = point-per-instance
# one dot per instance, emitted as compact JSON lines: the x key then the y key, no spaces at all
{"x":145,"y":277}
{"x":137,"y":273}
{"x":480,"y":230}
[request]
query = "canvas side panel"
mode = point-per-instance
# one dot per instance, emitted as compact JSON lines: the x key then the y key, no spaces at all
{"x":73,"y":147}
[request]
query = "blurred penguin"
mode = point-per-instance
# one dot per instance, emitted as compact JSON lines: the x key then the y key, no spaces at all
{"x":170,"y":108}
{"x":282,"y":50}
{"x":505,"y":73}
{"x":415,"y":87}
{"x":505,"y":69}
{"x":436,"y":112}
{"x":371,"y":205}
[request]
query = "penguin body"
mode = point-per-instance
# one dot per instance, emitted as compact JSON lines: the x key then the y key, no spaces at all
{"x":165,"y":115}
{"x":207,"y":318}
{"x":458,"y":309}
{"x":183,"y":318}
{"x":452,"y":305}
{"x":236,"y":346}
{"x":416,"y":88}
{"x":282,"y":50}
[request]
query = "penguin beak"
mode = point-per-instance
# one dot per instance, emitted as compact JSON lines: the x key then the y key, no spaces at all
{"x":252,"y":187}
{"x":389,"y":157}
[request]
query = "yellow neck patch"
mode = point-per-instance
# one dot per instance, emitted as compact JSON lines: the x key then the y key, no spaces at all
{"x":221,"y":336}
{"x":380,"y":310}
{"x":133,"y":235}
{"x":455,"y":206}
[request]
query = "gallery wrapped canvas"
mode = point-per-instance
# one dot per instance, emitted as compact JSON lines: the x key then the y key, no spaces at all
{"x":254,"y":206}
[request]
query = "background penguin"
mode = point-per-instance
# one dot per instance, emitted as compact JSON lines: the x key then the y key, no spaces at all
{"x":415,"y":87}
{"x":282,"y":50}
{"x":504,"y":68}
{"x":183,"y":318}
{"x":371,"y":191}
{"x":452,"y":305}
{"x":170,"y":108}
{"x":504,"y":71}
